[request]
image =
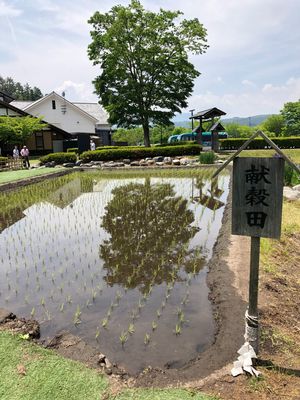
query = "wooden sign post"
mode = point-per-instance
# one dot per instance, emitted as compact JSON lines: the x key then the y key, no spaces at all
{"x":256,"y":211}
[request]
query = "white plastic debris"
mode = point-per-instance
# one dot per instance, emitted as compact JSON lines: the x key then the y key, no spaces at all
{"x":244,"y":361}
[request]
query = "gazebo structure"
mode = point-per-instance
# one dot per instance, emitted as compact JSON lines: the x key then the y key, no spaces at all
{"x":205,"y":116}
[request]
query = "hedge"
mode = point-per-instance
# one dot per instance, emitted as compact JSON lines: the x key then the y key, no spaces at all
{"x":59,"y":158}
{"x":72,"y":150}
{"x":140,"y":152}
{"x":260,"y":143}
{"x":3,"y":159}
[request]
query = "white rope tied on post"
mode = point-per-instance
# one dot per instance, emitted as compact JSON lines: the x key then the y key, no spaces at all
{"x":251,"y":330}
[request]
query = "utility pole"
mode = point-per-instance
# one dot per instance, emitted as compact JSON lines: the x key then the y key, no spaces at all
{"x":192,"y":113}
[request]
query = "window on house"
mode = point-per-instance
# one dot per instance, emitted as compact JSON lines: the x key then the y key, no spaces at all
{"x":53,"y":105}
{"x":39,"y":141}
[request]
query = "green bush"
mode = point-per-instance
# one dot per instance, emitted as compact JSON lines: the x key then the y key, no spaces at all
{"x":59,"y":158}
{"x":207,"y":157}
{"x":72,"y":150}
{"x":291,"y":177}
{"x":139,"y":152}
{"x":260,"y":143}
{"x":3,"y":159}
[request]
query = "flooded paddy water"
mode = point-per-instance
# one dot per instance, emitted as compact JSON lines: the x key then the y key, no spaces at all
{"x":119,"y":259}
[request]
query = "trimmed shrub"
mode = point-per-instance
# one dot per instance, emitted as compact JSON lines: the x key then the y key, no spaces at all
{"x":72,"y":150}
{"x":139,"y":152}
{"x":3,"y":159}
{"x":207,"y":157}
{"x":59,"y":158}
{"x":260,"y":143}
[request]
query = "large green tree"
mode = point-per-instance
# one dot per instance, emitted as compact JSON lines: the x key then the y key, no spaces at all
{"x":274,"y":124}
{"x":17,"y":130}
{"x":291,"y":116}
{"x":19,"y":91}
{"x":145,"y":76}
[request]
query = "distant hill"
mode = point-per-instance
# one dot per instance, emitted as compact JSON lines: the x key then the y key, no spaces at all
{"x":249,"y":121}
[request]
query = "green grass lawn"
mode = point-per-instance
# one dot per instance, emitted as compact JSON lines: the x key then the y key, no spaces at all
{"x":10,"y":176}
{"x":29,"y":372}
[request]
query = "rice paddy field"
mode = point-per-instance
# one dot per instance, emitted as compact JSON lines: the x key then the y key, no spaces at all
{"x":117,"y":258}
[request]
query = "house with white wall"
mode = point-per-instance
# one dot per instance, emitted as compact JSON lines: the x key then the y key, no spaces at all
{"x":78,"y":119}
{"x":39,"y":142}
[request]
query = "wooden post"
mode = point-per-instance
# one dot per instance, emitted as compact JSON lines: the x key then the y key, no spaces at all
{"x":252,"y":326}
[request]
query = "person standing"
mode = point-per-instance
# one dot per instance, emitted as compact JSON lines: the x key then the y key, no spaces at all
{"x":92,"y":145}
{"x":25,"y":156}
{"x":16,"y":153}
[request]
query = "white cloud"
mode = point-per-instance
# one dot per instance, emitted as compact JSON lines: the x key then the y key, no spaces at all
{"x":76,"y":91}
{"x":246,"y":82}
{"x":8,"y":10}
{"x":268,"y":99}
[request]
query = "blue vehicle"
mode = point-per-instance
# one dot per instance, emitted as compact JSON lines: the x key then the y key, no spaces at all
{"x":191,"y":136}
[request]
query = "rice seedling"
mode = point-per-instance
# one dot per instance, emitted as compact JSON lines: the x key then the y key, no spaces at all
{"x":177,"y":330}
{"x":154,"y":325}
{"x":123,"y":338}
{"x":104,"y":322}
{"x":131,"y":329}
{"x":97,"y":333}
{"x":147,"y":339}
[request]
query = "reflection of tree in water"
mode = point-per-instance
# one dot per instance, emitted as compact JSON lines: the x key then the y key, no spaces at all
{"x":150,"y":229}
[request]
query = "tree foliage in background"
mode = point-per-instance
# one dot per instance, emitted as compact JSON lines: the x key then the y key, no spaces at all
{"x":17,"y":130}
{"x":291,"y":116}
{"x":145,"y":73}
{"x":19,"y":91}
{"x":273,"y":124}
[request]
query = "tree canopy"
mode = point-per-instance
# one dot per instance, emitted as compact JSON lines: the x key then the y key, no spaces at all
{"x":291,"y":116}
{"x":17,"y":130}
{"x":145,"y":76}
{"x":19,"y":91}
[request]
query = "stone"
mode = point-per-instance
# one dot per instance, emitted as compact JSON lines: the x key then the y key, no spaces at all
{"x":184,"y":161}
{"x":134,"y":164}
{"x":151,"y":162}
{"x":97,"y":163}
{"x":297,"y":187}
{"x":290,"y":193}
{"x":126,"y":161}
{"x":86,"y":165}
{"x":5,"y":315}
{"x":148,"y":158}
{"x":78,"y":163}
{"x":68,"y":165}
{"x":101,"y":358}
{"x":158,"y":159}
{"x":108,"y":165}
{"x":160,"y":163}
{"x":143,"y":163}
{"x":50,"y":164}
{"x":176,"y":162}
{"x":168,"y":160}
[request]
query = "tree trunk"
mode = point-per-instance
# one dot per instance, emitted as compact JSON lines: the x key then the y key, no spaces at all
{"x":146,"y":134}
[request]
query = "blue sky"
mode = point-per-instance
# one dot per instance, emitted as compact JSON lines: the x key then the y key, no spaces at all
{"x":251,"y":67}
